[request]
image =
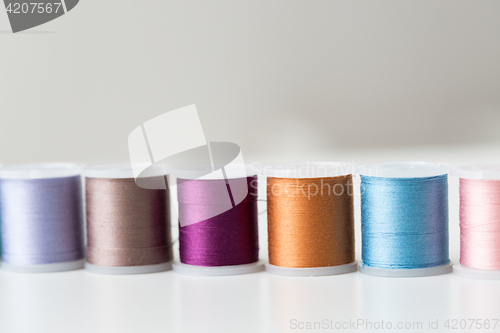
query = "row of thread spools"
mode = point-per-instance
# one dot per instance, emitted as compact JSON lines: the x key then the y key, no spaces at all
{"x":310,"y":215}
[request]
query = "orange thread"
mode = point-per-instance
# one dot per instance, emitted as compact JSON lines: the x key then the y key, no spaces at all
{"x":310,"y":221}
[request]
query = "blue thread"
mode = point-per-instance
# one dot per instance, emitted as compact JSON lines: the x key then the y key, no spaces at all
{"x":404,"y":222}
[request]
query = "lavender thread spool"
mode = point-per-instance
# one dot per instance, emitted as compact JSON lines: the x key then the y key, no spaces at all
{"x":218,"y":223}
{"x":41,"y":217}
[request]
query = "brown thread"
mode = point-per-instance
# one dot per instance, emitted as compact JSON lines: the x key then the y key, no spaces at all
{"x":310,"y":221}
{"x":126,"y":224}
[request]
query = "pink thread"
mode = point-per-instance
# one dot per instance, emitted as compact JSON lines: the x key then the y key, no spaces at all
{"x":480,"y":223}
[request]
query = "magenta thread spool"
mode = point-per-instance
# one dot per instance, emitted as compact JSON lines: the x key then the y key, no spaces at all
{"x":218,"y":223}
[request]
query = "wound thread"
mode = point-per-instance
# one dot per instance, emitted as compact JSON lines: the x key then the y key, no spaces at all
{"x":225,"y":239}
{"x":404,"y":222}
{"x":126,"y":225}
{"x":310,"y":221}
{"x":480,"y":223}
{"x":41,"y":217}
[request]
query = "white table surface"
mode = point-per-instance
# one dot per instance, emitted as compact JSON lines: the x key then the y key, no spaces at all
{"x":79,"y":301}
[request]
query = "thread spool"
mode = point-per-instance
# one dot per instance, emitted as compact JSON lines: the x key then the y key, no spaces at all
{"x":218,"y":222}
{"x":479,"y":221}
{"x":41,"y":217}
{"x":128,"y":227}
{"x":404,"y":219}
{"x":0,"y":230}
{"x":310,"y":219}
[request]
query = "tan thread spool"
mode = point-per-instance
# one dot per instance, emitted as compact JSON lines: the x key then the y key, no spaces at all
{"x":126,"y":224}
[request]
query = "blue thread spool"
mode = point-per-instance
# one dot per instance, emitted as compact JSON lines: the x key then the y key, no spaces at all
{"x":404,"y":219}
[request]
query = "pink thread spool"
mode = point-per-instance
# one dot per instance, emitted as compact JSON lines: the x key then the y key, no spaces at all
{"x":479,"y":221}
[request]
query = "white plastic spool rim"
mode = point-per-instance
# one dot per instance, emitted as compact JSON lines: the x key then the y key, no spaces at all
{"x":40,"y":171}
{"x":474,"y":273}
{"x":308,"y":169}
{"x":411,"y":169}
{"x":401,"y":273}
{"x":229,"y":171}
{"x":312,"y":271}
{"x":194,"y":270}
{"x":44,"y":268}
{"x":128,"y":270}
{"x":119,"y":171}
{"x":477,"y":171}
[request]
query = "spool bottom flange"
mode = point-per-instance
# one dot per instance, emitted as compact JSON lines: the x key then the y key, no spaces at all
{"x":401,"y":273}
{"x":44,"y":268}
{"x":128,"y":270}
{"x":312,"y":271}
{"x":193,"y":270}
{"x":475,"y":273}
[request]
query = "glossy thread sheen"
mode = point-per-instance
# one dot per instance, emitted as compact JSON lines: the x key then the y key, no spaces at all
{"x":310,"y":221}
{"x":480,"y":223}
{"x":126,"y":225}
{"x":404,"y":222}
{"x":41,"y":220}
{"x":230,"y":238}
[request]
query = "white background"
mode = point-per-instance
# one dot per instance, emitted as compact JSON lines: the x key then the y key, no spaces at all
{"x":356,"y":81}
{"x":269,"y":75}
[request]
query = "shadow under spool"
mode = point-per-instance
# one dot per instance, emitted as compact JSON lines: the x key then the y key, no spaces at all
{"x":128,"y":227}
{"x":311,"y":221}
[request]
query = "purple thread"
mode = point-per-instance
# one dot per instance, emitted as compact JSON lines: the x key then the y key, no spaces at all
{"x":41,"y":220}
{"x":230,"y":238}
